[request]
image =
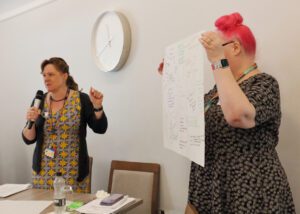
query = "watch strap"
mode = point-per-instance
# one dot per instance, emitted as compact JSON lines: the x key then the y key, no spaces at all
{"x":223,"y":63}
{"x":98,"y":109}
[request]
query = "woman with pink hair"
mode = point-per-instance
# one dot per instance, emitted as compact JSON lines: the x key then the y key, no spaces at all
{"x":242,"y":172}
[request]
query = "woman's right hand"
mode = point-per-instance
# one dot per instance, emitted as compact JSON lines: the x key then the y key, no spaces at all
{"x":212,"y":42}
{"x":32,"y":114}
{"x":161,"y":67}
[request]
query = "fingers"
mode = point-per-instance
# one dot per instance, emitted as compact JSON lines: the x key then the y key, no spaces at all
{"x":33,"y":113}
{"x":96,"y":94}
{"x":206,"y":40}
{"x":210,"y":39}
{"x":160,"y":68}
{"x":96,"y":98}
{"x":205,"y":43}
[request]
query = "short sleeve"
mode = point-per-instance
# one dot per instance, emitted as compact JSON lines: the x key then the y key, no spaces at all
{"x":263,"y":93}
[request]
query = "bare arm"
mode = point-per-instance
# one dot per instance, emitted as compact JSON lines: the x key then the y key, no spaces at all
{"x":237,"y":109}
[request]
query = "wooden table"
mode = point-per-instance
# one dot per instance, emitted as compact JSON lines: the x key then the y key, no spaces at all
{"x":47,"y":195}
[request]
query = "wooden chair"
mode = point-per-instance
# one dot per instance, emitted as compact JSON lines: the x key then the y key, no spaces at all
{"x":139,"y":180}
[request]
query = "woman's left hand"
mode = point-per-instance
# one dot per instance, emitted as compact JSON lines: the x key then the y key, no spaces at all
{"x":212,"y":42}
{"x":160,"y":68}
{"x":96,"y":98}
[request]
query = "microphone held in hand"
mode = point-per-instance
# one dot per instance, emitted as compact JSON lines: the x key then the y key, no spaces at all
{"x":36,"y":103}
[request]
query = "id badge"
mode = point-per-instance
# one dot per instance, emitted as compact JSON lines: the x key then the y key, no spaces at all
{"x":49,"y":153}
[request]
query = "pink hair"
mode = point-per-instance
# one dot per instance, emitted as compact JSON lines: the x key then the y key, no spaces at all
{"x":232,"y":27}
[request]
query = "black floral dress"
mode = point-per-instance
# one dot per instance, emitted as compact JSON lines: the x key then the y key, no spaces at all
{"x":242,"y":172}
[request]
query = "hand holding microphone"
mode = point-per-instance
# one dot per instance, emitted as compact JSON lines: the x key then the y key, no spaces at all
{"x":34,"y":111}
{"x":31,"y":116}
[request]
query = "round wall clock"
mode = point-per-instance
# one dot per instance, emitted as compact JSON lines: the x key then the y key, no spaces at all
{"x":111,"y":40}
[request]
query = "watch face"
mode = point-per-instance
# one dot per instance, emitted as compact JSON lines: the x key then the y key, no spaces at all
{"x":109,"y":41}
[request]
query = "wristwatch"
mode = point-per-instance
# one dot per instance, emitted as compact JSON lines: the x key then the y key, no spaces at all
{"x":98,"y":109}
{"x":223,"y":63}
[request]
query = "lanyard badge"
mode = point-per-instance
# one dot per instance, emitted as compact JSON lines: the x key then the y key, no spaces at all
{"x":50,"y":153}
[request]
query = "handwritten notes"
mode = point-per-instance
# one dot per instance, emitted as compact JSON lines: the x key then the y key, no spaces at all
{"x":183,"y":108}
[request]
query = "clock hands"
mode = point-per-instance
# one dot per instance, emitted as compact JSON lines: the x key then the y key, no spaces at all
{"x":108,"y":34}
{"x":105,"y":46}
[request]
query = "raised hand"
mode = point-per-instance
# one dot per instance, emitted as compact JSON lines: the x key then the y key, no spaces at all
{"x":96,"y":98}
{"x":212,"y":42}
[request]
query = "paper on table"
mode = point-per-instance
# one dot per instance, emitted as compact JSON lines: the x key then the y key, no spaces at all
{"x":94,"y":206}
{"x":10,"y":189}
{"x":24,"y":207}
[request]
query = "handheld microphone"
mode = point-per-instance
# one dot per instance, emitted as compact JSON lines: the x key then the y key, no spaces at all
{"x":36,"y":103}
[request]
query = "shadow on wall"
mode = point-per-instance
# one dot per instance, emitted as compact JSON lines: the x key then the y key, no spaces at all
{"x":289,"y":150}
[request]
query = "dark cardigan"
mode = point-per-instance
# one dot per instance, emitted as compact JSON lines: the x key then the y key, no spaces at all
{"x":87,"y":117}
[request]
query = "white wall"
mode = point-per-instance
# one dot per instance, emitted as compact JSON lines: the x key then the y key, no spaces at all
{"x":133,"y":95}
{"x":12,"y":4}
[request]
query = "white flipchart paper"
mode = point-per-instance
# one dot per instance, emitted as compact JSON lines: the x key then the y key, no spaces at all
{"x":183,"y":104}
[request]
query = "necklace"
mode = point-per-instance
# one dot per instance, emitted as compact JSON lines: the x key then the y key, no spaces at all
{"x":54,"y":125}
{"x":247,"y":71}
{"x":66,"y":97}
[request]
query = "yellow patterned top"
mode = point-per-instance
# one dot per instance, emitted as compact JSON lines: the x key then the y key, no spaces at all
{"x":61,"y":134}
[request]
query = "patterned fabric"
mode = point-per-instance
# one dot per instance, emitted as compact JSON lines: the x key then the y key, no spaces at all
{"x":65,"y":141}
{"x":242,"y":172}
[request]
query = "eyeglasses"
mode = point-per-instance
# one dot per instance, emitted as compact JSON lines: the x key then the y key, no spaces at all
{"x":227,"y":43}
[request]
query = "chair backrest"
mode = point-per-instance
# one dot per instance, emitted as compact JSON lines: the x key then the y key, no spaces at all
{"x":139,"y":180}
{"x":89,"y":188}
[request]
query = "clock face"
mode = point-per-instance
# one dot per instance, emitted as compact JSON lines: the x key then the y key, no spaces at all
{"x":110,"y":41}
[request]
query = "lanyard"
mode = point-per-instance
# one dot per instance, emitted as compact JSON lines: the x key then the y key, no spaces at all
{"x":251,"y":68}
{"x":54,"y":125}
{"x":247,"y":71}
